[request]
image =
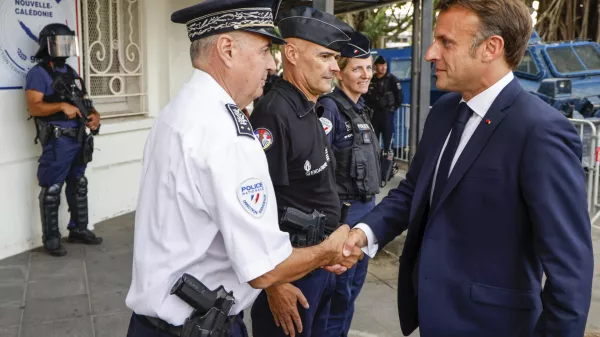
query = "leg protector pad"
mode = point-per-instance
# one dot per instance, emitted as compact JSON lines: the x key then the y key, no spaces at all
{"x":49,"y":203}
{"x":77,"y":188}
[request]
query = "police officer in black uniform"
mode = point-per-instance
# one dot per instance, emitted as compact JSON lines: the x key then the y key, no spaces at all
{"x":384,"y":97}
{"x":56,"y":98}
{"x":300,"y":162}
{"x":357,"y":154}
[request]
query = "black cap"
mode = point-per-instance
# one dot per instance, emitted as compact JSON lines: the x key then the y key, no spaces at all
{"x":380,"y":60}
{"x":310,"y":24}
{"x":220,"y":16}
{"x":359,"y":46}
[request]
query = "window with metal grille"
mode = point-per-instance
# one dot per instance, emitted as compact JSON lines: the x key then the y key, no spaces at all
{"x":113,"y":56}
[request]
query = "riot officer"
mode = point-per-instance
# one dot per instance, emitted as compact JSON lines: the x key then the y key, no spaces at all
{"x":384,"y":97}
{"x":300,"y":163}
{"x":356,"y":150}
{"x":57,"y":100}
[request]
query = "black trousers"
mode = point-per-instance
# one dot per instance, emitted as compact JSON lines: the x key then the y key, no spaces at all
{"x":383,"y":124}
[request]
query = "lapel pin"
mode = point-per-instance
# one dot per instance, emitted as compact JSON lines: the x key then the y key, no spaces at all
{"x":487,"y":121}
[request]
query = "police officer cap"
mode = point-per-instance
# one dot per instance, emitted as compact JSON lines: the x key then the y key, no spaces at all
{"x":310,"y":24}
{"x":220,"y":16}
{"x":380,"y":60}
{"x":359,"y":46}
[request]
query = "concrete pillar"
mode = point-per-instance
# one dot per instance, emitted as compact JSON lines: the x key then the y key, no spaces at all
{"x":324,"y":5}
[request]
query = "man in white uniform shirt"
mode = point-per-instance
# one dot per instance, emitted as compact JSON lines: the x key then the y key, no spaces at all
{"x":494,"y":198}
{"x":206,"y":204}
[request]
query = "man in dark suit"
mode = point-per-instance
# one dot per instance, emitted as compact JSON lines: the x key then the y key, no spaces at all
{"x":494,"y":198}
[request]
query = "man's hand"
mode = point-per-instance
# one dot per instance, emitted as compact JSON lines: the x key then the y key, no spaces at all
{"x":71,"y":111}
{"x":356,"y":238}
{"x":335,"y":243}
{"x":282,"y":301}
{"x":93,"y":121}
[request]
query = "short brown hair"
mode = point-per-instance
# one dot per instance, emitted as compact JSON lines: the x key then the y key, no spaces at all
{"x":509,"y":19}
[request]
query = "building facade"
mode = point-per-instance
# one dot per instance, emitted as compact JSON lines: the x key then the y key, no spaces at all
{"x":133,"y":60}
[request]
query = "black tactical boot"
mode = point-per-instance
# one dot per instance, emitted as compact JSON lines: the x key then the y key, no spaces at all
{"x":49,"y":203}
{"x":78,"y":206}
{"x":85,"y":236}
{"x":54,"y":248}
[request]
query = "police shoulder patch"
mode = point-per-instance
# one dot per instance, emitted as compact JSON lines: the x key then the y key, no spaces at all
{"x":265,"y":137}
{"x":327,"y":125}
{"x":252,"y":194}
{"x":240,"y":120}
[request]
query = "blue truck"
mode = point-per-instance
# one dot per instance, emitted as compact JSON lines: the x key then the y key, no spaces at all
{"x":564,"y":74}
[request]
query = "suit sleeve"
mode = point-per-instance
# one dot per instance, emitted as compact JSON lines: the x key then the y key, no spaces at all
{"x":391,"y":216}
{"x":553,"y":183}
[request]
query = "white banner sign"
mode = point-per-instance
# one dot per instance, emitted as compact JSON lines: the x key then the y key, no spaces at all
{"x":20,"y":24}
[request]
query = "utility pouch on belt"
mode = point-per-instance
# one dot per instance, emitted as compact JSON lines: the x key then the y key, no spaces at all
{"x":44,"y":130}
{"x":87,"y":149}
{"x":211,"y":307}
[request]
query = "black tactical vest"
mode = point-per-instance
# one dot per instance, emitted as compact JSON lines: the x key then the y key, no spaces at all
{"x":358,"y":167}
{"x":70,"y":80}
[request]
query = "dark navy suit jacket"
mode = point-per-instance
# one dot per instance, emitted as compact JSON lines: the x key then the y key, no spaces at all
{"x":514,"y":207}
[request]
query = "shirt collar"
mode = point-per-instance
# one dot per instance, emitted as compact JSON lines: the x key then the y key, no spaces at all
{"x":482,"y":102}
{"x":209,"y":84}
{"x":298,"y":101}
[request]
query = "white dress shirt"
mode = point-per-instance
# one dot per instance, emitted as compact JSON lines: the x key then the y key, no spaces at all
{"x":480,"y":104}
{"x":206,"y":205}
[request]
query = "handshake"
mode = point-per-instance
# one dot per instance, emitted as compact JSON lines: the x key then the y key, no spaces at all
{"x":344,"y":249}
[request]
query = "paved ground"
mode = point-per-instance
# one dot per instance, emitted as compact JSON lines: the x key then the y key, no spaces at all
{"x":83,"y":294}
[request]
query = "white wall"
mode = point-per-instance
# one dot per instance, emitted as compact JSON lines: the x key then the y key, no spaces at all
{"x":114,"y":174}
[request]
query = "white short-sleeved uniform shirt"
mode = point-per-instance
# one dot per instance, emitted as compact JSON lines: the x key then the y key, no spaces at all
{"x":206,"y":204}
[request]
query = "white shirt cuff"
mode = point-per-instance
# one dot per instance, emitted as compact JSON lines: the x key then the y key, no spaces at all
{"x":372,"y":245}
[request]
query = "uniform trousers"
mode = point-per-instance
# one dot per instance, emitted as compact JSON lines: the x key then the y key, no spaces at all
{"x":317,"y":287}
{"x":349,"y":284}
{"x":58,"y":163}
{"x":383,"y":125}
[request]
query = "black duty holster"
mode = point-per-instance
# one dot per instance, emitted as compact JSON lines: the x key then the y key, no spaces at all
{"x":211,"y":308}
{"x":305,"y":229}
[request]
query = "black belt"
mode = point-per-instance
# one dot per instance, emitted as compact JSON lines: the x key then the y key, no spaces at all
{"x":157,"y":323}
{"x":71,"y":132}
{"x":363,"y":198}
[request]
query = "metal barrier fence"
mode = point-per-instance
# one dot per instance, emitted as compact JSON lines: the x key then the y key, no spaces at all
{"x":400,"y":143}
{"x":589,"y":132}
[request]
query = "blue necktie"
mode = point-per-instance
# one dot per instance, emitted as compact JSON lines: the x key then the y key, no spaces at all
{"x":464,"y":113}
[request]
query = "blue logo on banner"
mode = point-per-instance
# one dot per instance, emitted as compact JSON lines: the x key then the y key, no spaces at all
{"x":20,"y":24}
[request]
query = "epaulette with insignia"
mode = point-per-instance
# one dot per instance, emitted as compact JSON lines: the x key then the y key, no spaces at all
{"x":241,"y":121}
